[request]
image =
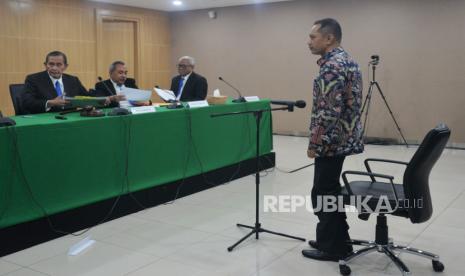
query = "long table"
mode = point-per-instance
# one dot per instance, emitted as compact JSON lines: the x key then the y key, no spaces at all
{"x":48,"y":166}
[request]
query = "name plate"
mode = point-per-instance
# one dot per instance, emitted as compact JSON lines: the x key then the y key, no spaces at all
{"x":195,"y":104}
{"x":252,"y":99}
{"x":142,"y":109}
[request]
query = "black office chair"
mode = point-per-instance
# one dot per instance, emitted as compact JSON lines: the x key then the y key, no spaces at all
{"x":16,"y":92}
{"x":411,"y":200}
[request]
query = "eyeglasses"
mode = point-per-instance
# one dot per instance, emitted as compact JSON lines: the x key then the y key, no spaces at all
{"x":183,"y":66}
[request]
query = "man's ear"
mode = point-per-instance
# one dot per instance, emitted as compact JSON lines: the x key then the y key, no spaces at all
{"x":330,"y":39}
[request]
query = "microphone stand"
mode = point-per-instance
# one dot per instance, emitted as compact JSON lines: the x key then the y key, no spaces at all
{"x":257,"y":228}
{"x":241,"y":99}
{"x":106,"y":86}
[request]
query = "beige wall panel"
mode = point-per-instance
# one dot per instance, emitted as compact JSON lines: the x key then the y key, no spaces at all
{"x":72,"y":51}
{"x":8,"y":19}
{"x":118,"y":40}
{"x":87,"y":56}
{"x":262,"y":50}
{"x":36,"y":21}
{"x":10,"y":55}
{"x":149,"y":83}
{"x":87,"y":79}
{"x":163,"y":27}
{"x":163,"y":79}
{"x":149,"y":24}
{"x":5,"y":99}
{"x":67,"y":23}
{"x":150,"y":57}
{"x":164,"y":58}
{"x":5,"y":80}
{"x":87,"y":25}
{"x":33,"y":52}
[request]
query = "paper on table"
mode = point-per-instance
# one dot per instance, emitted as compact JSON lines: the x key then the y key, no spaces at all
{"x":132,"y":94}
{"x":166,"y":95}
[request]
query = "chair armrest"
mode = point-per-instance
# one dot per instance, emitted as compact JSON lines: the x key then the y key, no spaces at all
{"x":380,"y":160}
{"x":371,"y":175}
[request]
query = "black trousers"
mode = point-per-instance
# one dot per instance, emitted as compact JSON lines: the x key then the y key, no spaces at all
{"x":332,"y":230}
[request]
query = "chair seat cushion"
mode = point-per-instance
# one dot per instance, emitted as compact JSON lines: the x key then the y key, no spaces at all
{"x":377,"y":190}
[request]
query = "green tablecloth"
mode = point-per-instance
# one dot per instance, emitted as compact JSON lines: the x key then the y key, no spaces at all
{"x":64,"y":164}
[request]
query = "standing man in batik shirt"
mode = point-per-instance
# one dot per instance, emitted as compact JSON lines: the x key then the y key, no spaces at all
{"x":335,"y":132}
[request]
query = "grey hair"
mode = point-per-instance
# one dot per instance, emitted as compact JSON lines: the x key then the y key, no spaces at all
{"x":190,"y":59}
{"x":114,"y":64}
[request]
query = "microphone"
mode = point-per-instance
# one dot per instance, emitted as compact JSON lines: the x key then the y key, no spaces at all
{"x":290,"y":104}
{"x":238,"y":100}
{"x":106,"y":87}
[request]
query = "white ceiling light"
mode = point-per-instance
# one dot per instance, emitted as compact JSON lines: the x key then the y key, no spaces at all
{"x":177,"y":3}
{"x":168,"y":5}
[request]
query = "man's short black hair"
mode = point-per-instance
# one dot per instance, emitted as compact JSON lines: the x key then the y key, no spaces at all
{"x":330,"y":26}
{"x":56,"y":54}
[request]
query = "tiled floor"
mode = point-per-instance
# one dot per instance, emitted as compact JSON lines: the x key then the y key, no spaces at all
{"x":190,"y":236}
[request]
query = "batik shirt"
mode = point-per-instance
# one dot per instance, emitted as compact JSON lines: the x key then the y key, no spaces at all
{"x":335,"y":127}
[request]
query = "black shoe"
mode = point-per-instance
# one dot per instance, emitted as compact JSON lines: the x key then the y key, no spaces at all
{"x":313,"y":244}
{"x":321,"y":256}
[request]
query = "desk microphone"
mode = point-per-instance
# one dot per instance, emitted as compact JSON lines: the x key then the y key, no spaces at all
{"x":106,"y":87}
{"x":238,"y":100}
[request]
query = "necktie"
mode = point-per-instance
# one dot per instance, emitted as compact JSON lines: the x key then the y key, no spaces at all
{"x":181,"y":81}
{"x":58,"y":89}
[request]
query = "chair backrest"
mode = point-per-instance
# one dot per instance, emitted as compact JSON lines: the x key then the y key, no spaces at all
{"x":16,"y":92}
{"x":416,"y":184}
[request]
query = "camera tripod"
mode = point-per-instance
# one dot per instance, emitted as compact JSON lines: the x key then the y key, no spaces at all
{"x":373,"y":83}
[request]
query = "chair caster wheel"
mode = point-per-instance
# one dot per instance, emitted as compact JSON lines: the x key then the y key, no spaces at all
{"x":438,"y":266}
{"x":344,"y":270}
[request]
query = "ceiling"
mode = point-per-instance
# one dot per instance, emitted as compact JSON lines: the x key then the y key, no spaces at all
{"x":167,"y":5}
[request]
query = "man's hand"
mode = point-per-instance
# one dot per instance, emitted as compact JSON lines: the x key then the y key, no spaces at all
{"x":117,"y":98}
{"x":58,"y":101}
{"x":114,"y":98}
{"x":311,"y":153}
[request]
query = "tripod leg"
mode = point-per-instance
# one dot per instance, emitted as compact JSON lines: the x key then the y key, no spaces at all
{"x":281,"y":234}
{"x":366,"y":104}
{"x":241,"y":240}
{"x":245,"y":226}
{"x":392,"y":115}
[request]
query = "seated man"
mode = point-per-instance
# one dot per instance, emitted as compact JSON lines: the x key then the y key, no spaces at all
{"x":113,"y":86}
{"x":188,"y":85}
{"x":45,"y":91}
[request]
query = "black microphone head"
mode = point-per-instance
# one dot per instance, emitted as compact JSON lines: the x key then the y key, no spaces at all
{"x":99,"y":78}
{"x":300,"y":104}
{"x":220,"y":78}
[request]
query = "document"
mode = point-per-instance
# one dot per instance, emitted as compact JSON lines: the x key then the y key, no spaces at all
{"x":166,"y":95}
{"x":136,"y":95}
